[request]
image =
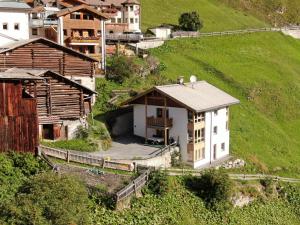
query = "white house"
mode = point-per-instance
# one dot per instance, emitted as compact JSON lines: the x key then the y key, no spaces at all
{"x":14,"y":21}
{"x":195,"y":115}
{"x":161,"y":32}
{"x":131,"y":15}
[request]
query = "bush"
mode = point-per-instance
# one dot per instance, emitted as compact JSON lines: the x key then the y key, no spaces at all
{"x":214,"y":187}
{"x":158,"y":183}
{"x":120,"y":68}
{"x":190,"y":21}
{"x":49,"y":199}
{"x":82,"y":132}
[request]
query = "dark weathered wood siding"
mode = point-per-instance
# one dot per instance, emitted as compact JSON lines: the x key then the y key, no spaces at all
{"x":58,"y":97}
{"x":18,"y":119}
{"x":39,"y":55}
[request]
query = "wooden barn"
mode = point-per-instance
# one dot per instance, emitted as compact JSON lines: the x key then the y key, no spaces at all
{"x":18,"y":113}
{"x":62,"y":104}
{"x":41,"y":53}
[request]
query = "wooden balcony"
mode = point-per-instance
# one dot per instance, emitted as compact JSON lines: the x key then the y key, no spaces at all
{"x":91,"y":39}
{"x":159,"y":122}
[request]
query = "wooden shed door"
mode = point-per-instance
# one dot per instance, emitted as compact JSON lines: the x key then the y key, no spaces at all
{"x":56,"y":131}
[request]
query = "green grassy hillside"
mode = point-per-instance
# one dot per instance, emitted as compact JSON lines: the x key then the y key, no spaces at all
{"x":216,"y":16}
{"x":262,"y":70}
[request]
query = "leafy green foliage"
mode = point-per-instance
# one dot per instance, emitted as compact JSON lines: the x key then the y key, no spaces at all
{"x":49,"y":199}
{"x":120,"y":68}
{"x":213,"y":186}
{"x":190,"y":21}
{"x":158,"y":183}
{"x":292,"y":195}
{"x":15,"y":168}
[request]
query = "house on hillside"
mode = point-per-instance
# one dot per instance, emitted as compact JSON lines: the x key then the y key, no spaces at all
{"x":44,"y":54}
{"x":14,"y":21}
{"x":62,"y":104}
{"x":195,"y":115}
{"x":125,"y":15}
{"x":18,"y":113}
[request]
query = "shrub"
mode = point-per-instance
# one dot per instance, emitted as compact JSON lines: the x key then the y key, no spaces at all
{"x":82,"y":132}
{"x":49,"y":199}
{"x":120,"y":68}
{"x":214,"y":187}
{"x":268,"y":184}
{"x":190,"y":21}
{"x":158,"y":183}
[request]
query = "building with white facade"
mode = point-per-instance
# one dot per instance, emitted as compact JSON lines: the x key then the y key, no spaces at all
{"x":195,"y":115}
{"x":14,"y":21}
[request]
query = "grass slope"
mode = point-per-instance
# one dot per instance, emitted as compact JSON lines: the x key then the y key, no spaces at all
{"x":262,"y":70}
{"x":216,"y":16}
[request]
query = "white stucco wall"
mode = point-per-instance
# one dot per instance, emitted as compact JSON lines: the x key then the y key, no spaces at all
{"x":178,"y":131}
{"x":127,"y":14}
{"x":162,"y":33}
{"x":11,"y":18}
{"x":212,"y":120}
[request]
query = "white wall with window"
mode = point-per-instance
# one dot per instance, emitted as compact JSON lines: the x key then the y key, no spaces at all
{"x":131,"y":15}
{"x":13,"y":26}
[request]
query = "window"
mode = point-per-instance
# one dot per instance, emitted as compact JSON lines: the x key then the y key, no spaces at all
{"x":199,"y":135}
{"x":88,"y":17}
{"x":190,"y":116}
{"x":78,"y":81}
{"x":65,"y":32}
{"x":119,"y":20}
{"x":75,"y":16}
{"x":131,"y":8}
{"x":216,"y":112}
{"x":113,"y":20}
{"x":136,"y":20}
{"x":16,"y":26}
{"x":34,"y":31}
{"x":199,"y":117}
{"x":34,"y":16}
{"x":126,"y":20}
{"x":215,"y":130}
{"x":5,"y":26}
{"x":159,"y":112}
{"x":223,"y":146}
{"x":131,"y":20}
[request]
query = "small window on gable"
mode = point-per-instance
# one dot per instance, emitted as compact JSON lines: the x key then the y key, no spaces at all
{"x":5,"y":26}
{"x":34,"y":31}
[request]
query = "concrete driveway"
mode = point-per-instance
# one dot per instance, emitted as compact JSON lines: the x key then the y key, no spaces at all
{"x":128,"y":147}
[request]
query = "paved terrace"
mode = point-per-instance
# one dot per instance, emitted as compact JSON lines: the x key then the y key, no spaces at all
{"x":128,"y":147}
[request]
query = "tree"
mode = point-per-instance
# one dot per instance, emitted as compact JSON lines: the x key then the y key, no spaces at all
{"x":120,"y":68}
{"x":49,"y":198}
{"x":214,"y":187}
{"x":190,"y":21}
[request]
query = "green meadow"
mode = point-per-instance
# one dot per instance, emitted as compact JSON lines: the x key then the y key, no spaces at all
{"x":262,"y":70}
{"x":215,"y":15}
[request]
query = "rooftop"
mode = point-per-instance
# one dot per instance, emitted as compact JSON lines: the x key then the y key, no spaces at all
{"x":10,"y":4}
{"x":17,"y":76}
{"x":199,"y":96}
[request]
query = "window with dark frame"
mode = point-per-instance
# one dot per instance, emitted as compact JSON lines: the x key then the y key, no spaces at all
{"x":34,"y":31}
{"x":131,"y":20}
{"x":16,"y":26}
{"x":5,"y":26}
{"x":223,"y":146}
{"x":216,"y":112}
{"x":215,"y":130}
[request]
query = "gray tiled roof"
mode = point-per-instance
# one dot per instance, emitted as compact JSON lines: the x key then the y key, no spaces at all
{"x":200,"y":96}
{"x":18,"y":76}
{"x":14,"y":4}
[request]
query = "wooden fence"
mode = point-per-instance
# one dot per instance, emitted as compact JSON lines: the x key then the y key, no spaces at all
{"x":134,"y":186}
{"x":85,"y":158}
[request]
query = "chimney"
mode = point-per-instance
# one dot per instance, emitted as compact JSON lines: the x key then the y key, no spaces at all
{"x":180,"y":80}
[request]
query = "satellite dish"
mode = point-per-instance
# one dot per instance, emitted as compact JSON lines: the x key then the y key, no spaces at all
{"x":193,"y":79}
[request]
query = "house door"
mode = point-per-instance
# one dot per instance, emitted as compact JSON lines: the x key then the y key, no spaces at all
{"x":215,"y":152}
{"x":48,"y":131}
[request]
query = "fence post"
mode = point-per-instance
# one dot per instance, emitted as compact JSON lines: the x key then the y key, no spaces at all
{"x":103,"y":165}
{"x":68,"y":156}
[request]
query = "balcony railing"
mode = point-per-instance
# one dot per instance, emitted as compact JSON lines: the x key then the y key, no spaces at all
{"x":43,"y":22}
{"x":90,"y":39}
{"x":159,"y":122}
